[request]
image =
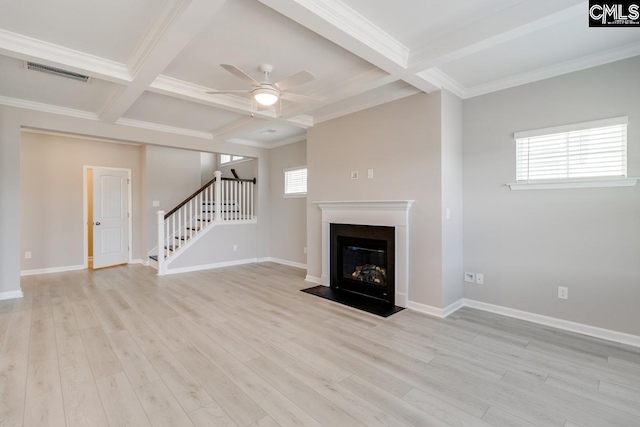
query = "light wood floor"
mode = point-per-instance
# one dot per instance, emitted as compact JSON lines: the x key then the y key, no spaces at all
{"x":242,"y":346}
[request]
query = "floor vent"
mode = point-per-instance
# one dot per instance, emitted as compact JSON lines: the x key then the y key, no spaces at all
{"x":57,"y":72}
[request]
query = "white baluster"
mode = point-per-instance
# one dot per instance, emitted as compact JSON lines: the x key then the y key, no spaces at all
{"x":160,"y":241}
{"x":174,"y":218}
{"x":218,"y":195}
{"x":251,"y":200}
{"x":191,"y":202}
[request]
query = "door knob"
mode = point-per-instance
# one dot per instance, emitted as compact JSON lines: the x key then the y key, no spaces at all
{"x":97,"y":223}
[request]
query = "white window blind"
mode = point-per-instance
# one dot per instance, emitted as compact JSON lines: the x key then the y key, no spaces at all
{"x":599,"y":151}
{"x":295,"y":181}
{"x":227,"y":158}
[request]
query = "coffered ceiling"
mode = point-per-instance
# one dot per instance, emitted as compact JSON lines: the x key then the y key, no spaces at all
{"x":151,"y":62}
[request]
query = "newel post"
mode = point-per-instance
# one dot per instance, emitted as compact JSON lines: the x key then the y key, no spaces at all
{"x":218,"y":196}
{"x":160,"y":242}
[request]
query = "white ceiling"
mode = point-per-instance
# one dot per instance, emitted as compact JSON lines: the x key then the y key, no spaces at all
{"x":414,"y":22}
{"x":151,"y":61}
{"x":109,"y":29}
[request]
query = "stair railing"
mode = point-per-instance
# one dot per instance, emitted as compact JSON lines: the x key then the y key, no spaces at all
{"x":221,"y":199}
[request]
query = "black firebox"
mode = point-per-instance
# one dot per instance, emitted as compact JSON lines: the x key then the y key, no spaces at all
{"x":363,"y":260}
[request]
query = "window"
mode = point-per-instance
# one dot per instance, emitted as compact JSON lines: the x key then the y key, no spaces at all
{"x":228,"y":158}
{"x":581,"y":151}
{"x":295,"y":182}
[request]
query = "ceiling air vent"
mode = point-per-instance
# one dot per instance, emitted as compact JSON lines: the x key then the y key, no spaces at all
{"x":57,"y":72}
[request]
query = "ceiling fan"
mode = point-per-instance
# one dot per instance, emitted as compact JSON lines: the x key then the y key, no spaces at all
{"x":267,"y":93}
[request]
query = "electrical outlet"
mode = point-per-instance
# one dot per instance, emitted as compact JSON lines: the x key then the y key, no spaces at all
{"x":156,"y":204}
{"x":563,"y":293}
{"x":27,"y":255}
{"x":235,"y":248}
{"x":305,"y":249}
{"x":370,"y":173}
{"x":479,"y":278}
{"x":469,"y":277}
{"x":354,"y":175}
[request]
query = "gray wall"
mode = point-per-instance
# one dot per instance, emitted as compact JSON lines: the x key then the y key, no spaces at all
{"x":452,"y":242}
{"x":400,"y":140}
{"x":208,"y":165}
{"x":530,"y":242}
{"x":288,"y":215}
{"x":51,"y":201}
{"x":246,"y":169}
{"x":10,"y":220}
{"x":171,"y":176}
{"x":216,"y":246}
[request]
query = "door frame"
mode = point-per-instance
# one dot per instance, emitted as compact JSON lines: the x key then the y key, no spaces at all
{"x":85,"y":211}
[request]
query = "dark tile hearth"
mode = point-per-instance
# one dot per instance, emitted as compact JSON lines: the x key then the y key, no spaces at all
{"x":361,"y":302}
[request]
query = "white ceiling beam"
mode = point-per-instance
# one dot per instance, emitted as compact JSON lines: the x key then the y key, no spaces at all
{"x":169,"y":86}
{"x":174,"y":28}
{"x":29,"y":49}
{"x":342,"y":25}
{"x":244,"y":124}
{"x":517,"y":21}
{"x":337,"y":22}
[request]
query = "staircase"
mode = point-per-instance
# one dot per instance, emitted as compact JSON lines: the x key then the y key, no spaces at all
{"x":221,"y":200}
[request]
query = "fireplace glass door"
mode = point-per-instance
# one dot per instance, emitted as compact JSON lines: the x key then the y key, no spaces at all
{"x":366,"y":261}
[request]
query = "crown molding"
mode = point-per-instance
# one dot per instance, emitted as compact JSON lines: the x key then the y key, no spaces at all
{"x":383,"y":99}
{"x":76,"y":136}
{"x":47,"y":108}
{"x":287,"y":141}
{"x":30,"y":49}
{"x":268,"y":145}
{"x":443,"y":81}
{"x":164,"y":18}
{"x":248,"y":142}
{"x":346,"y":19}
{"x":163,"y":128}
{"x":578,"y":64}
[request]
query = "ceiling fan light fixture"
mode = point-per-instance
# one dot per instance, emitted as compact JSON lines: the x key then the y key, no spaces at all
{"x":266,"y":96}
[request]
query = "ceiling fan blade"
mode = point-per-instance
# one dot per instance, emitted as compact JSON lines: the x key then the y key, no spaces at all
{"x":240,"y":74}
{"x":302,"y":99}
{"x":295,"y":80}
{"x":220,"y":92}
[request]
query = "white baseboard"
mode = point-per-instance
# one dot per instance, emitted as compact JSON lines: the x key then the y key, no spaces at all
{"x":210,"y":266}
{"x":426,"y":309}
{"x":139,"y":261}
{"x":10,"y":295}
{"x":313,"y":279}
{"x":284,"y":262}
{"x":594,"y":331}
{"x":52,"y":270}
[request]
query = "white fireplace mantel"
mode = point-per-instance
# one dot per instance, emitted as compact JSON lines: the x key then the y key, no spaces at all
{"x":389,"y":213}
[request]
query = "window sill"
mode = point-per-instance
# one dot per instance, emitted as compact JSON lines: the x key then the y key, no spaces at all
{"x":560,"y":185}
{"x":294,"y":196}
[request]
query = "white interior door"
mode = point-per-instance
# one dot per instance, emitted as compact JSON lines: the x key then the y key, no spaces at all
{"x":110,"y":217}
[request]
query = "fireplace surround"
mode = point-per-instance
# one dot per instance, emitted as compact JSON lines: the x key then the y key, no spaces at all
{"x":383,"y":213}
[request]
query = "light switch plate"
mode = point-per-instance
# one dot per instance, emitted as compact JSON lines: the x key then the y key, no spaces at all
{"x":156,"y":204}
{"x":370,"y":173}
{"x":479,"y":279}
